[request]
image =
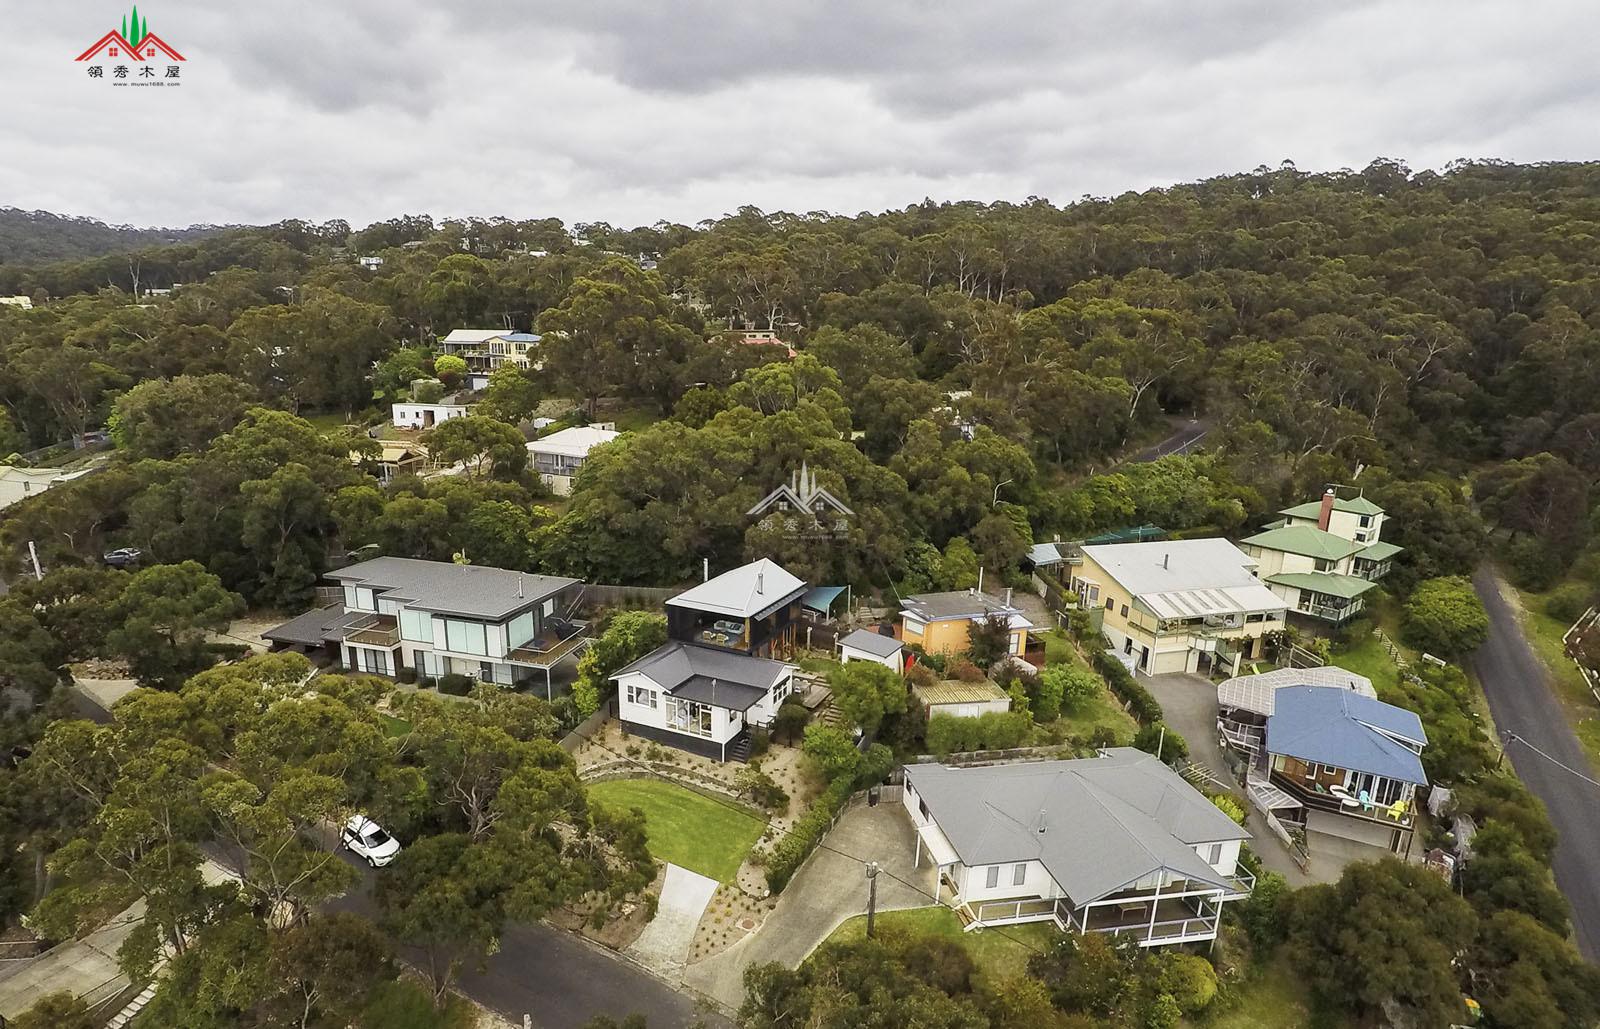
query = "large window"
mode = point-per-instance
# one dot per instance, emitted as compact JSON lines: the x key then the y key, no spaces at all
{"x":1019,"y":874}
{"x":992,"y":877}
{"x":688,"y":716}
{"x":416,"y":626}
{"x":360,"y":598}
{"x":641,"y":695}
{"x":520,"y":630}
{"x":375,"y":661}
{"x":465,"y":637}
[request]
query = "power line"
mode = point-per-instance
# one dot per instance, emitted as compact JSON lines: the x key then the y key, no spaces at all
{"x":1514,"y":738}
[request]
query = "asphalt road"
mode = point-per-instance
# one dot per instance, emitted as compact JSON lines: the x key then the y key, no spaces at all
{"x":560,"y":979}
{"x":1524,"y":702}
{"x":1180,"y":441}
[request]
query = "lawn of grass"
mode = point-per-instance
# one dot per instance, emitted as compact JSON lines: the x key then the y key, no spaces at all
{"x":393,"y":727}
{"x":1367,"y":657}
{"x":997,"y":951}
{"x":406,"y":1004}
{"x":1058,"y":649}
{"x":633,"y":419}
{"x":684,"y":827}
{"x":1103,"y":710}
{"x":1272,"y":999}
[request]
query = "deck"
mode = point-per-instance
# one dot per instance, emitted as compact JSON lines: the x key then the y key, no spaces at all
{"x":553,"y":654}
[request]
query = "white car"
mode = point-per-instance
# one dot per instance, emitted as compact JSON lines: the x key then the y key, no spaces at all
{"x":366,"y":838}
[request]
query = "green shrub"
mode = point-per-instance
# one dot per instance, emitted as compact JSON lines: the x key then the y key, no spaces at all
{"x":456,"y":685}
{"x":1445,"y":617}
{"x":1230,"y":807}
{"x":407,"y":675}
{"x":1158,"y":736}
{"x":1566,"y":604}
{"x":994,"y":730}
{"x":796,"y":845}
{"x":1144,"y":707}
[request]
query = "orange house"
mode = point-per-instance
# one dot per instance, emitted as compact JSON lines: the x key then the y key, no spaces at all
{"x":941,"y":623}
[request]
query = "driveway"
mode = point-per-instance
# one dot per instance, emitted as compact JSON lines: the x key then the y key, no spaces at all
{"x":1189,"y":705}
{"x":831,"y":887}
{"x":664,"y":944}
{"x":1524,"y":703}
{"x":85,"y":968}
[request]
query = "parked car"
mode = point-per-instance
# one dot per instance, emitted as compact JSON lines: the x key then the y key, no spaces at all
{"x":123,"y":557}
{"x":366,"y":839}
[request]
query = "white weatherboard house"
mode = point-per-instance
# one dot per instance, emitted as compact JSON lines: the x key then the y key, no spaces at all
{"x":713,"y":680}
{"x":558,"y":456}
{"x":1117,"y":843}
{"x":411,"y":415}
{"x":492,"y":624}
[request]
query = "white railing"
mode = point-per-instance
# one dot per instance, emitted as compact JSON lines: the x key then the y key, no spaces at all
{"x":1008,"y":911}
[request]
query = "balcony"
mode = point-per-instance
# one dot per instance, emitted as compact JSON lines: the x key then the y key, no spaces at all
{"x":546,"y":652}
{"x":1328,"y":612}
{"x":1321,"y":799}
{"x":374,"y":631}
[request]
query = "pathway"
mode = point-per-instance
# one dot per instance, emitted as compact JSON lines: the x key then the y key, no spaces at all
{"x":1524,"y":703}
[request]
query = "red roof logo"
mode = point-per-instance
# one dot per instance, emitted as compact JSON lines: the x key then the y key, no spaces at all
{"x":133,"y":42}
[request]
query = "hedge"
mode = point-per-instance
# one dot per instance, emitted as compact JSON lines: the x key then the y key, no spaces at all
{"x":1145,"y":708}
{"x":796,"y":845}
{"x":992,"y":730}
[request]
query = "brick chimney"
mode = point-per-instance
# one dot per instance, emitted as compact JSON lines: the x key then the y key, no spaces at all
{"x":1326,"y":514}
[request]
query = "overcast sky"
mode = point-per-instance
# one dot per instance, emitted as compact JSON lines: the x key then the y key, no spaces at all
{"x":686,"y":109}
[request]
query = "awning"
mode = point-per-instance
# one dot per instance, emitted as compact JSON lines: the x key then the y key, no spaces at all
{"x":820,"y":598}
{"x":938,"y":847}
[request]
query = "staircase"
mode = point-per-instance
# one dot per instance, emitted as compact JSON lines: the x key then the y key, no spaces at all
{"x":739,"y":749}
{"x":121,"y":1019}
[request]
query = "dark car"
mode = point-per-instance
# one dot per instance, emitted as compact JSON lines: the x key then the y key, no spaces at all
{"x":123,"y":557}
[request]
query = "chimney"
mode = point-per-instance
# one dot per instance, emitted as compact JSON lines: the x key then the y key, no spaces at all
{"x":705,"y":569}
{"x":761,"y":581}
{"x":1325,"y":515}
{"x":1008,"y":596}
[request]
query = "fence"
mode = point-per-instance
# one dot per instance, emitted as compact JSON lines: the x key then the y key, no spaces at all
{"x":586,"y":728}
{"x":652,"y":597}
{"x":1589,"y":622}
{"x":995,"y":757}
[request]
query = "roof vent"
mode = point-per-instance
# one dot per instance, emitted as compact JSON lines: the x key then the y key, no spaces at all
{"x":761,"y":579}
{"x":1040,"y":828}
{"x":1165,"y":559}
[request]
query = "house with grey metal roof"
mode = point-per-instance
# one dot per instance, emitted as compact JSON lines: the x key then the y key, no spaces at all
{"x":1178,"y":605}
{"x":1342,"y":764}
{"x":438,"y":618}
{"x":715,"y":678}
{"x":941,"y":623}
{"x":1116,"y":843}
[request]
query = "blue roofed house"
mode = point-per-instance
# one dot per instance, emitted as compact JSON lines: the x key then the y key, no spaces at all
{"x":1346,"y":767}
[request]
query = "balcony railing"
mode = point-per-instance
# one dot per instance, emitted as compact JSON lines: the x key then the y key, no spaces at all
{"x":1328,"y":612}
{"x":543,"y":656}
{"x":374,"y":631}
{"x":1326,"y":801}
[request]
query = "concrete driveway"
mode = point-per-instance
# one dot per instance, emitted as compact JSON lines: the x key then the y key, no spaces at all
{"x":664,"y":944}
{"x":829,"y":889}
{"x":1189,"y":705}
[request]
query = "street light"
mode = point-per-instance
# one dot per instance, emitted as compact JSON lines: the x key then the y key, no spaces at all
{"x":996,"y":500}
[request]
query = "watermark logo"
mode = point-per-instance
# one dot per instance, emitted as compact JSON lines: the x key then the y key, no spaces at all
{"x":130,"y":55}
{"x":805,"y":509}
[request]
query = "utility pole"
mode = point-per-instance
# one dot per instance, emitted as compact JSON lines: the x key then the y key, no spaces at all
{"x":872,"y":894}
{"x":33,"y":555}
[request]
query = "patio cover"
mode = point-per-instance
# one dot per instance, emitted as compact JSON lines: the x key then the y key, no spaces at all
{"x":820,"y":598}
{"x":938,"y":847}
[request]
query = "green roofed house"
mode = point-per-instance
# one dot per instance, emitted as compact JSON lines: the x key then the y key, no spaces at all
{"x":1322,"y":557}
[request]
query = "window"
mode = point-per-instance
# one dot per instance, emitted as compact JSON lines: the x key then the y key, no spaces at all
{"x":416,"y":626}
{"x":688,"y":716}
{"x":1324,"y":565}
{"x":549,"y":607}
{"x":1110,"y":603}
{"x":993,"y":878}
{"x":1019,"y":873}
{"x":642,"y":696}
{"x":465,"y":637}
{"x":520,"y":630}
{"x":1366,"y":520}
{"x":1016,"y":643}
{"x":365,"y":599}
{"x":1124,"y":610}
{"x":1214,"y":854}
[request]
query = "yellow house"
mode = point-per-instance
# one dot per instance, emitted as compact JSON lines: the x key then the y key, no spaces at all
{"x":1178,"y":605}
{"x":940,"y":622}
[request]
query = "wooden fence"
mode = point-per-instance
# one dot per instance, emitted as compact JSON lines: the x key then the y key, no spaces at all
{"x":1589,"y":622}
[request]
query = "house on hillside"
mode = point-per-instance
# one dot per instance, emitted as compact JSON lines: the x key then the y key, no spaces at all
{"x":1117,"y":843}
{"x":1344,"y":767}
{"x":1178,"y":605}
{"x":941,"y":623}
{"x":716,"y":677}
{"x":414,"y":415}
{"x":558,"y":456}
{"x":493,"y":624}
{"x":484,"y":350}
{"x":1321,"y":558}
{"x":18,"y":483}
